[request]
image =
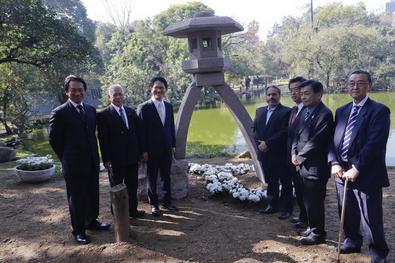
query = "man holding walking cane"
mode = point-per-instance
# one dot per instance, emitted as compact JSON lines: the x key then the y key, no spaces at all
{"x":357,"y":154}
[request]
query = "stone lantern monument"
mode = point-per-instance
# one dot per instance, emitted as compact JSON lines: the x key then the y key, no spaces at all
{"x":207,"y":65}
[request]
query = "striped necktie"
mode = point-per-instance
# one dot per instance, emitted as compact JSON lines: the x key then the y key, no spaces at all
{"x":306,"y":115}
{"x":81,"y":111}
{"x":123,"y":117}
{"x":348,"y":132}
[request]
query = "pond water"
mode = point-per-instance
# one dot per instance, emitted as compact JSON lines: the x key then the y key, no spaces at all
{"x":216,"y":127}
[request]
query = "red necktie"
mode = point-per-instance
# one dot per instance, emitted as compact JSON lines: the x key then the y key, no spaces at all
{"x":294,"y":114}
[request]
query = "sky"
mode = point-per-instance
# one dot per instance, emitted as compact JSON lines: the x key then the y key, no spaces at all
{"x":266,"y":12}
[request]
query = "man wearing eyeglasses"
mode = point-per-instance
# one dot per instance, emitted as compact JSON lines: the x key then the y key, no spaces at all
{"x":357,"y":154}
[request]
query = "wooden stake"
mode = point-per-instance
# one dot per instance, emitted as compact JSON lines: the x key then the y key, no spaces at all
{"x":120,"y":209}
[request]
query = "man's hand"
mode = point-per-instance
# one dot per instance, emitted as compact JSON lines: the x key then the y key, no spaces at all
{"x":145,"y":156}
{"x":173,"y":151}
{"x":295,"y":160}
{"x":108,"y":165}
{"x":351,"y":174}
{"x":263,"y":146}
{"x":337,"y":171}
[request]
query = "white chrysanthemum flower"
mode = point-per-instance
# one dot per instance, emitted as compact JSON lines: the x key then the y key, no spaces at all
{"x":253,"y":198}
{"x":236,"y":194}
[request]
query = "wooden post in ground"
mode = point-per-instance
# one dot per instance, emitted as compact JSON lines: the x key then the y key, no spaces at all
{"x":120,"y":211}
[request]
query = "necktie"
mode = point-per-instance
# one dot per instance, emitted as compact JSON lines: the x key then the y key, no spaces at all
{"x":123,"y":117}
{"x":348,"y":132}
{"x":294,"y":113}
{"x":306,"y":115}
{"x":81,"y":111}
{"x":161,"y":111}
{"x":269,"y":115}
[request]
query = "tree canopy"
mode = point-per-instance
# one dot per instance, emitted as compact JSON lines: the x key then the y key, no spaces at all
{"x":42,"y":41}
{"x":38,"y":47}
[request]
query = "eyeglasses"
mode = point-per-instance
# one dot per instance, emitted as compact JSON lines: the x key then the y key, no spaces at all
{"x":358,"y":84}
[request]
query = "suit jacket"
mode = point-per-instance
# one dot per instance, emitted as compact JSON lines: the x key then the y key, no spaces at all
{"x":73,"y":139}
{"x":367,"y":143}
{"x":157,"y":137}
{"x":118,"y":144}
{"x":311,"y":143}
{"x":274,"y":133}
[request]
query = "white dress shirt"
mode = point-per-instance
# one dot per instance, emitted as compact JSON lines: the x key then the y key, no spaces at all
{"x":123,"y":113}
{"x":160,"y":107}
{"x":76,"y":104}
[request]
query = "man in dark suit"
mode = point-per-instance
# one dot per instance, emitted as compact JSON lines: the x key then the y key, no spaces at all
{"x":300,"y":222}
{"x":118,"y":129}
{"x":72,"y":136}
{"x":309,"y":155}
{"x":159,"y":142}
{"x":270,"y":133}
{"x":357,"y":154}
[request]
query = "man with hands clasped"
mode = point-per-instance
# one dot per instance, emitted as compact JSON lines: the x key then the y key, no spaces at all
{"x":119,"y":136}
{"x":270,"y":134}
{"x":309,"y":155}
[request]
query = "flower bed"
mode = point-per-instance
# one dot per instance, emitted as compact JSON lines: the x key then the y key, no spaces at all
{"x":221,"y":178}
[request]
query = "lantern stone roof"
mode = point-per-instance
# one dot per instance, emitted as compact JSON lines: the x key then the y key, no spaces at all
{"x":202,"y":22}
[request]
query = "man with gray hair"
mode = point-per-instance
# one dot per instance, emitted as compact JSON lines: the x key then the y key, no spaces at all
{"x":118,"y":132}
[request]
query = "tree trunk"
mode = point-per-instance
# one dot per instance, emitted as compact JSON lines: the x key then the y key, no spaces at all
{"x":4,"y":119}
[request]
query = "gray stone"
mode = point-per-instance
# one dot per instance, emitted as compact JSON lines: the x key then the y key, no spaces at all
{"x":142,"y":186}
{"x":179,"y":180}
{"x":7,"y":154}
{"x":245,"y":154}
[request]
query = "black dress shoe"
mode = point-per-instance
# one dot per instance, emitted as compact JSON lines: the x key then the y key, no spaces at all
{"x":155,"y":211}
{"x":268,"y":210}
{"x":300,"y":226}
{"x":312,"y":240}
{"x":284,"y":215}
{"x":137,"y":214}
{"x":82,"y":239}
{"x":170,"y":207}
{"x":295,"y":220}
{"x":303,"y":232}
{"x":96,"y":225}
{"x":349,"y":250}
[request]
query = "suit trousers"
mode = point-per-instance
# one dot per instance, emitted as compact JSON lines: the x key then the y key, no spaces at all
{"x":83,"y":198}
{"x":297,"y":183}
{"x":368,"y":208}
{"x":274,"y":175}
{"x":314,"y":191}
{"x":127,"y":174}
{"x":162,"y":166}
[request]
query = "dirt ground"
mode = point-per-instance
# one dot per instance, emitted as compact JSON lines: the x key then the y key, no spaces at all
{"x":35,"y":227}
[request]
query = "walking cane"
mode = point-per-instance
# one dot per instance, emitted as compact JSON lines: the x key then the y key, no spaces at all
{"x":342,"y":219}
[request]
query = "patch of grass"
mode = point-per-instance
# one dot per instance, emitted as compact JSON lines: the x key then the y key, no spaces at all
{"x":36,"y":143}
{"x":212,"y":150}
